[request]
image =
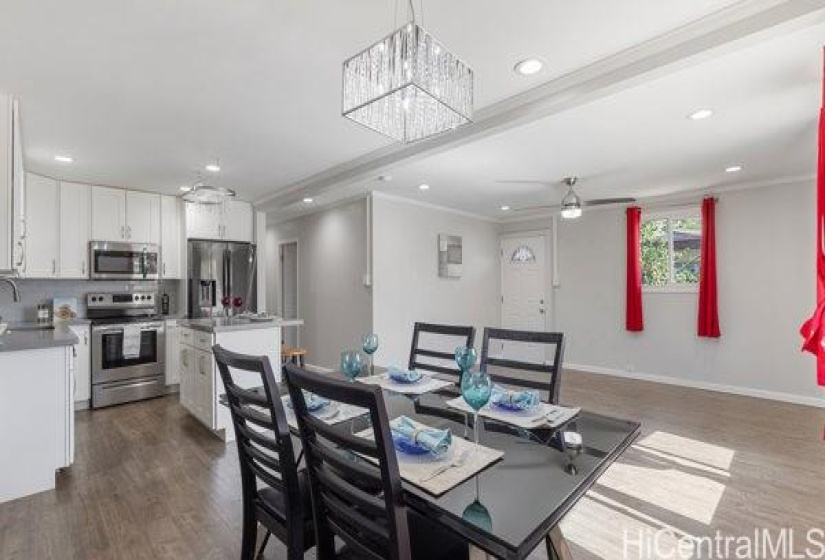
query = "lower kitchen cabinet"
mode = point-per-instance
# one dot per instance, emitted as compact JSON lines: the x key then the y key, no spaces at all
{"x":82,"y":366}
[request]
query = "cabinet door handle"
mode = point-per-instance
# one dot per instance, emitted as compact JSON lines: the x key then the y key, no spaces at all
{"x":85,"y":339}
{"x":123,"y":232}
{"x":83,"y":268}
{"x":129,"y":232}
{"x":54,"y":266}
{"x":164,"y":268}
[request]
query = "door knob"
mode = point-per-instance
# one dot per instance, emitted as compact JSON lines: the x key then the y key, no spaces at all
{"x":541,"y":311}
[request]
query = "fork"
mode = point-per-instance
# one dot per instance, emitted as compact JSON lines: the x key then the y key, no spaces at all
{"x":457,"y":462}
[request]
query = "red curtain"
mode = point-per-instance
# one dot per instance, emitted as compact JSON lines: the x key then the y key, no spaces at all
{"x":813,"y":330}
{"x":708,"y":309}
{"x":633,"y":318}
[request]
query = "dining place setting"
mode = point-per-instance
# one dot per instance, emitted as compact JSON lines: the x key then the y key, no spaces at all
{"x":491,"y":455}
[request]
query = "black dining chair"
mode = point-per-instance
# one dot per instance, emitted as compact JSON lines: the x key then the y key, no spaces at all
{"x":543,"y":375}
{"x":356,"y":490}
{"x":433,"y":347}
{"x":275,"y":492}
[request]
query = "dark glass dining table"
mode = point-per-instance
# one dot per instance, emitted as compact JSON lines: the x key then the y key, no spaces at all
{"x":510,"y":507}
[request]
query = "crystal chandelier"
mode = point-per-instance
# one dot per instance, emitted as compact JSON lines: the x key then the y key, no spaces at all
{"x":407,"y":86}
{"x":207,"y":194}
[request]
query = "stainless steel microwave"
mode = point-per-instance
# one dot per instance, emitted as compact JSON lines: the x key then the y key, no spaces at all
{"x":123,"y":261}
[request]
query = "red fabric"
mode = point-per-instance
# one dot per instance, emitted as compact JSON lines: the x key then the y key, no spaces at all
{"x":634,"y":320}
{"x":814,"y":328}
{"x":708,"y":308}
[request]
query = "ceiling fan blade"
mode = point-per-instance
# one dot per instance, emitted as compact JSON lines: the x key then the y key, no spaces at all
{"x":533,"y":208}
{"x":604,"y":201}
{"x":524,"y":182}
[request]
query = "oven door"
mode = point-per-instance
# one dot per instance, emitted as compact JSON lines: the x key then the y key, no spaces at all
{"x":111,"y":363}
{"x":123,"y":261}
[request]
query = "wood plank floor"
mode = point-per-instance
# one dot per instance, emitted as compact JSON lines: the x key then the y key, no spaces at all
{"x":150,"y":483}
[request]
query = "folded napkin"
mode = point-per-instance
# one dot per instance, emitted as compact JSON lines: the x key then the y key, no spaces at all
{"x":435,"y":441}
{"x":403,"y":375}
{"x":314,"y":402}
{"x":514,"y":400}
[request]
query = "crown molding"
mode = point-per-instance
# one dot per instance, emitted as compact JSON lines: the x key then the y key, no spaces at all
{"x":730,"y":28}
{"x":430,"y":206}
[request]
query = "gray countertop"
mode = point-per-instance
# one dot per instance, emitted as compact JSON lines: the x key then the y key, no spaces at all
{"x":225,"y":324}
{"x":24,"y":337}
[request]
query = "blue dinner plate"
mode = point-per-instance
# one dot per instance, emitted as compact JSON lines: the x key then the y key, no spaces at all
{"x":405,"y":380}
{"x":506,"y":404}
{"x":314,"y":403}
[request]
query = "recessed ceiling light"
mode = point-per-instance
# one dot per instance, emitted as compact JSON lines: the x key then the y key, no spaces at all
{"x":63,"y":159}
{"x":385,"y":178}
{"x":733,"y":169}
{"x":505,"y":208}
{"x":213,"y":167}
{"x":309,"y":200}
{"x":700,"y":114}
{"x":529,"y":67}
{"x":184,"y":188}
{"x":424,"y":187}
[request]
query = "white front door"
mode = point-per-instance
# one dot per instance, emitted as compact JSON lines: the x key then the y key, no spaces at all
{"x":523,"y":298}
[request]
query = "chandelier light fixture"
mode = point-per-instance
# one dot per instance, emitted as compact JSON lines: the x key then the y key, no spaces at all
{"x":407,"y":86}
{"x":207,"y":194}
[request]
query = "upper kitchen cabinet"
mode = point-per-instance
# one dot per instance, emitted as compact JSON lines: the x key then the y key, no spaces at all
{"x":142,"y":217}
{"x":108,"y":214}
{"x":170,"y":237}
{"x":128,"y":216}
{"x":75,"y":230}
{"x":231,"y":221}
{"x":42,"y":241}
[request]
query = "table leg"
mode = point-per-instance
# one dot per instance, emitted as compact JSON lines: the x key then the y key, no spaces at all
{"x":557,"y":548}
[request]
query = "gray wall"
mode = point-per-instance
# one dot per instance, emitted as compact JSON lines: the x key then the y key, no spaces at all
{"x":34,"y":292}
{"x":332,"y":260}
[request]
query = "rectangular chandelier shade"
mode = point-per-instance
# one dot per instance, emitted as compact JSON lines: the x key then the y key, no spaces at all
{"x":407,"y":86}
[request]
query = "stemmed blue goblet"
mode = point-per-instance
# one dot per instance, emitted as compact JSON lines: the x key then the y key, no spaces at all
{"x":351,"y":364}
{"x":369,"y":343}
{"x":476,"y":386}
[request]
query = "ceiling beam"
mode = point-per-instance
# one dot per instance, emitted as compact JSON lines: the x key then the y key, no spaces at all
{"x":731,"y":28}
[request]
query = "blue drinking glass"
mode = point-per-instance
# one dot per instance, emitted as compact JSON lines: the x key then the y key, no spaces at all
{"x":369,"y":343}
{"x":476,"y":388}
{"x":351,"y":364}
{"x":465,"y":358}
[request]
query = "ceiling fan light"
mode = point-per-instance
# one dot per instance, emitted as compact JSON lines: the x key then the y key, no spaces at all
{"x":571,"y":205}
{"x":571,"y":213}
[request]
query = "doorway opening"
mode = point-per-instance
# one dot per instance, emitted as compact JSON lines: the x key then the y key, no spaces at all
{"x":288,"y":255}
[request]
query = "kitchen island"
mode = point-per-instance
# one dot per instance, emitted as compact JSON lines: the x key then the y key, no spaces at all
{"x":200,"y":381}
{"x":36,"y":408}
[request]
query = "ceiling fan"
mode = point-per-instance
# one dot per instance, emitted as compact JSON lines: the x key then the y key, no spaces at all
{"x":571,"y":205}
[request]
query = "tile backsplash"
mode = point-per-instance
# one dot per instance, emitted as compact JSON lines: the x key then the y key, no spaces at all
{"x":33,"y":292}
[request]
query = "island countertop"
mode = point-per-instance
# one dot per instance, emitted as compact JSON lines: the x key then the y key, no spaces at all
{"x":225,"y":324}
{"x":19,"y":338}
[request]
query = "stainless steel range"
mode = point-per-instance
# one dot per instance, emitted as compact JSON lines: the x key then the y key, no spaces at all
{"x":128,"y":347}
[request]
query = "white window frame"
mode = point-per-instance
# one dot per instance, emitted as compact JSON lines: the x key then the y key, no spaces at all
{"x":681,"y":213}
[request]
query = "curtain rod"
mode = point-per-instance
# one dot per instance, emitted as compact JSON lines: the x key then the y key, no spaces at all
{"x":690,"y":202}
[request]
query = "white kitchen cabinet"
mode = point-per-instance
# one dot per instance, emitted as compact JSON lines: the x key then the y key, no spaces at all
{"x":205,"y":379}
{"x":82,"y":364}
{"x":232,"y":221}
{"x":238,"y":222}
{"x":173,"y":349}
{"x":170,"y":237}
{"x":187,"y":375}
{"x":142,"y":217}
{"x":42,"y":242}
{"x":108,"y":214}
{"x":75,"y":230}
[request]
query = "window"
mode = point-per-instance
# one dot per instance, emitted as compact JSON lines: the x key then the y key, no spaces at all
{"x":671,"y":248}
{"x":523,"y":255}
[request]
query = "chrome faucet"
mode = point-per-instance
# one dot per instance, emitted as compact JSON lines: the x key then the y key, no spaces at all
{"x":15,"y":291}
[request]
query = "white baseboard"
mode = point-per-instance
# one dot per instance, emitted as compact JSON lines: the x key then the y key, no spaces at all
{"x":818,"y":402}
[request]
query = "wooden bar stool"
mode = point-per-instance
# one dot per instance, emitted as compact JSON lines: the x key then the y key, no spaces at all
{"x":294,"y":355}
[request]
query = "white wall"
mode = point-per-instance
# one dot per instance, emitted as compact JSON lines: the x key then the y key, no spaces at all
{"x":332,"y":260}
{"x":765,"y":243}
{"x":406,"y":285}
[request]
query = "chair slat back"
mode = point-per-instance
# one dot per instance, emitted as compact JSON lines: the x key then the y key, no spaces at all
{"x":433,"y":347}
{"x":543,"y":375}
{"x":355,"y":483}
{"x":262,"y":436}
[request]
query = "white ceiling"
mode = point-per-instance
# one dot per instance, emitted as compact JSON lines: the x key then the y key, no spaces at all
{"x":143,"y":93}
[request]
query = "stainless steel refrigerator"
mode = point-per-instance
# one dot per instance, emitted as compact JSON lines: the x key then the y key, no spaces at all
{"x":217,"y":269}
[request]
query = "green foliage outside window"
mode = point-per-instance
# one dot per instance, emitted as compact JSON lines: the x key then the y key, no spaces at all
{"x":662,"y":236}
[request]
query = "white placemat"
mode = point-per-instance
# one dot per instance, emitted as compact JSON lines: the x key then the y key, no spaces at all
{"x":334,"y":413}
{"x":540,"y":417}
{"x":461,"y":462}
{"x":427,"y":384}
